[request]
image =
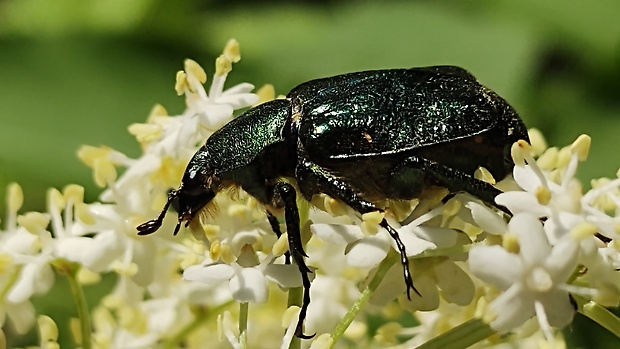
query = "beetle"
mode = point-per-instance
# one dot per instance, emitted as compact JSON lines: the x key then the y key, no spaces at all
{"x":360,"y":138}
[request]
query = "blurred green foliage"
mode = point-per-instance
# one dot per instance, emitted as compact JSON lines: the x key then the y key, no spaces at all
{"x":76,"y":72}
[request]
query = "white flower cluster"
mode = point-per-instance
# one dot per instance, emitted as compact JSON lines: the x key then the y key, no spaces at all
{"x":525,"y":274}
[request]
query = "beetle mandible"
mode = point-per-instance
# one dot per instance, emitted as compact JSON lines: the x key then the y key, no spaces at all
{"x":360,"y":138}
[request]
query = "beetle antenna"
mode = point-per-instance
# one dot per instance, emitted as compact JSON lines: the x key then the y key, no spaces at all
{"x":151,"y":226}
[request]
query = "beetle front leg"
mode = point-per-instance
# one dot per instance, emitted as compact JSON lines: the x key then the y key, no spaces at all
{"x":291,"y":216}
{"x":337,"y":188}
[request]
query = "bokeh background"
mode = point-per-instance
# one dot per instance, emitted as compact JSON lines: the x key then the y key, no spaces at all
{"x":76,"y":72}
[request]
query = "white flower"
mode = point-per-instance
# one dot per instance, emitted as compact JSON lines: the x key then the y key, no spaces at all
{"x":533,"y":280}
{"x":247,"y":278}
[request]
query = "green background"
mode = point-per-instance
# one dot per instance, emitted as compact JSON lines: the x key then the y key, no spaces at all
{"x":76,"y":72}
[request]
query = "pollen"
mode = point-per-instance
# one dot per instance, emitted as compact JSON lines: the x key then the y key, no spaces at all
{"x":15,"y":197}
{"x":104,"y":172}
{"x":125,"y":269}
{"x":181,"y":83}
{"x":223,"y":66}
{"x":48,"y":330}
{"x":33,"y":221}
{"x":82,"y":212}
{"x":146,"y":133}
{"x":215,"y":250}
{"x":211,"y":231}
{"x":543,"y":195}
{"x":195,"y":70}
{"x":158,"y":111}
{"x":519,"y":151}
{"x":74,"y":193}
{"x":55,"y":198}
{"x":484,"y":175}
{"x":89,"y":154}
{"x":581,"y":147}
{"x":281,"y":246}
{"x":265,"y":94}
{"x":232,"y":51}
{"x":226,"y":254}
{"x":537,"y":140}
{"x":549,"y":159}
{"x":451,"y":208}
{"x":583,"y":230}
{"x":564,"y":157}
{"x":511,"y":243}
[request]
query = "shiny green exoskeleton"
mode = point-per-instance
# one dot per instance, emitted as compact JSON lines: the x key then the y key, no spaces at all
{"x":360,"y":138}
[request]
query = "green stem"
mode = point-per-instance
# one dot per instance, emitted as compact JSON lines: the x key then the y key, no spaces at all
{"x":599,"y":314}
{"x":383,"y":268}
{"x":243,"y":317}
{"x":200,"y":318}
{"x":77,"y":291}
{"x":461,"y":336}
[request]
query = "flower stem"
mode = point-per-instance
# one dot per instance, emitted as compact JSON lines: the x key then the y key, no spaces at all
{"x":348,"y":318}
{"x":77,"y":291}
{"x":461,"y":336}
{"x":599,"y":314}
{"x":243,"y":317}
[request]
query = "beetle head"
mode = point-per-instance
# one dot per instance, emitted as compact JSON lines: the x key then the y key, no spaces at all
{"x":194,"y":193}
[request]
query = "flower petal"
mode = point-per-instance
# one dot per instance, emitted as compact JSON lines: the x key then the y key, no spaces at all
{"x":563,"y":259}
{"x":486,"y":218}
{"x":455,"y":284}
{"x":415,"y":245}
{"x":337,"y":233}
{"x":558,"y":308}
{"x":512,"y":308}
{"x":367,"y":252}
{"x":495,"y":265}
{"x":534,"y":246}
{"x":213,"y":274}
{"x":249,"y":285}
{"x":520,"y":201}
{"x":285,"y":275}
{"x":427,"y":287}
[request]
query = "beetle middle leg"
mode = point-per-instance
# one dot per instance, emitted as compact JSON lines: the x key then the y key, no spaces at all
{"x":328,"y":183}
{"x":288,"y":195}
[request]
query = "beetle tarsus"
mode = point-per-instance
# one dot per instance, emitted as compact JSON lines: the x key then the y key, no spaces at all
{"x":299,"y":330}
{"x":404,"y":260}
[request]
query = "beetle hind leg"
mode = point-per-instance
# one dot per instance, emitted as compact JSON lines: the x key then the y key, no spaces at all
{"x":453,"y":179}
{"x":334,"y":186}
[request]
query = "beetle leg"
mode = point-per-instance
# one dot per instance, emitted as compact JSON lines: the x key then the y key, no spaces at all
{"x":455,"y":180}
{"x":337,"y":188}
{"x":291,"y":215}
{"x":275,"y":226}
